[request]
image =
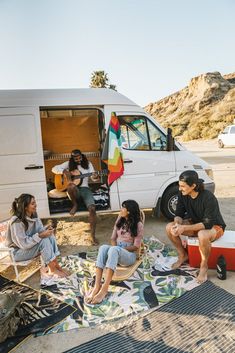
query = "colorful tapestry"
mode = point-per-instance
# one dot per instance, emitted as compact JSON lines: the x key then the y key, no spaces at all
{"x":152,"y":285}
{"x":112,"y":153}
{"x":40,"y":312}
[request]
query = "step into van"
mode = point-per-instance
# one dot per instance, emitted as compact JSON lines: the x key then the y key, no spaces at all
{"x":39,"y":129}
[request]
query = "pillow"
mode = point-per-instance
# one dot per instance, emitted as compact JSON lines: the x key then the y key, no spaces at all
{"x":55,"y":194}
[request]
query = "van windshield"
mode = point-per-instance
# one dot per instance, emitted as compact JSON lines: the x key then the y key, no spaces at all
{"x":138,"y":133}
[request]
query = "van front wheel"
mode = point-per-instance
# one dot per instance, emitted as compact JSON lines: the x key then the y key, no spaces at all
{"x":220,"y":144}
{"x":169,"y":202}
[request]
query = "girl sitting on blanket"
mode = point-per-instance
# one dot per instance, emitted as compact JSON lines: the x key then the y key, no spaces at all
{"x":29,"y":238}
{"x":125,"y":243}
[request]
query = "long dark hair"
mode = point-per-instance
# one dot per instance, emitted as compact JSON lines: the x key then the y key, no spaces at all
{"x":133,"y":217}
{"x":73,"y":164}
{"x":18,"y":207}
{"x":190,"y":177}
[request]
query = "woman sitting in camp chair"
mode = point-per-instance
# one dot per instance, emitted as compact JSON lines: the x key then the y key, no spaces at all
{"x":28,"y":237}
{"x":125,"y":244}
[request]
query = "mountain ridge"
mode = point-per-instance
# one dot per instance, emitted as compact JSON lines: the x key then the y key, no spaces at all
{"x":200,"y":110}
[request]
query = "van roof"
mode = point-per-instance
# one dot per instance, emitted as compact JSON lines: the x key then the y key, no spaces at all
{"x":62,"y":97}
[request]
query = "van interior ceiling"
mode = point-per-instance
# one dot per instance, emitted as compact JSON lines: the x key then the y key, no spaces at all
{"x":66,"y":129}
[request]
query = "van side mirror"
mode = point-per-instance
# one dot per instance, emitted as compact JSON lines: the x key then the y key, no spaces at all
{"x":170,"y":143}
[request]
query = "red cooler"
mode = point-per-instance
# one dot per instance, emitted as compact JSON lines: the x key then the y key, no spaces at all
{"x":223,"y":246}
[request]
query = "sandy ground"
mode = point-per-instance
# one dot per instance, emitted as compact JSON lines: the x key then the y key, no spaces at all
{"x":76,"y":234}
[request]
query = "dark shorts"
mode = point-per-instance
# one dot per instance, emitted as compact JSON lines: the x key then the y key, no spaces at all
{"x":86,"y":195}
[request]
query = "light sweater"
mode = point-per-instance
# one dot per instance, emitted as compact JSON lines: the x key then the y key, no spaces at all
{"x":18,"y":237}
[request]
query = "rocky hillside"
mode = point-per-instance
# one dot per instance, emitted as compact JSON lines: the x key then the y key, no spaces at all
{"x":200,"y":110}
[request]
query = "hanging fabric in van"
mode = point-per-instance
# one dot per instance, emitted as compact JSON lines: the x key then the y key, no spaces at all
{"x":112,"y":153}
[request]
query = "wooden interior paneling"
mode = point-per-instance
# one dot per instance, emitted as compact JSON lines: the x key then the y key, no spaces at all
{"x":62,"y":135}
{"x":65,"y":130}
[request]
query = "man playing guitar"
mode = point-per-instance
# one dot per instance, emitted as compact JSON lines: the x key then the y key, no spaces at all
{"x":79,"y":164}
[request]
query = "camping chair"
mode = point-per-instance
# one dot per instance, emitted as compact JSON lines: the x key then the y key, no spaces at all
{"x":7,"y":259}
{"x":124,"y":272}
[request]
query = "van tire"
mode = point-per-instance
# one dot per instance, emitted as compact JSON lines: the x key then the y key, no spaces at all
{"x":220,"y":144}
{"x":169,"y":202}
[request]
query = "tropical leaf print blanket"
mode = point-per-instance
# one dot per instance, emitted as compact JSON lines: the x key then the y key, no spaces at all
{"x":153,"y":284}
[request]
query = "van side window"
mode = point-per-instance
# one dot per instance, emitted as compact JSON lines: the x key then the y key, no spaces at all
{"x":232,"y":130}
{"x":157,"y":138}
{"x":138,"y":133}
{"x":134,"y":133}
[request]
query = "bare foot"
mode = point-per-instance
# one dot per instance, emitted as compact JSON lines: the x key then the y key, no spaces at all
{"x":99,"y":297}
{"x":181,"y":259}
{"x":59,"y":268}
{"x":66,"y":272}
{"x":90,"y":295}
{"x":73,"y":210}
{"x":57,"y":272}
{"x":202,"y":276}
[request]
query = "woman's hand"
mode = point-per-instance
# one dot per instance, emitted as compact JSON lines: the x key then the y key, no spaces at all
{"x":46,"y":233}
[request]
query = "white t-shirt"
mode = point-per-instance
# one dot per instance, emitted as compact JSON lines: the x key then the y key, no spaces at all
{"x":58,"y":169}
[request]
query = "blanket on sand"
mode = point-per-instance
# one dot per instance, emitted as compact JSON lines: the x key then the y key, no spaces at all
{"x":153,"y":284}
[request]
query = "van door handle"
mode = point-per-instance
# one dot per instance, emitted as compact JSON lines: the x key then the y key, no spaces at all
{"x":34,"y":167}
{"x":128,"y":161}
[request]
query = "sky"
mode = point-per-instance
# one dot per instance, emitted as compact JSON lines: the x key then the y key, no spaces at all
{"x":148,"y":48}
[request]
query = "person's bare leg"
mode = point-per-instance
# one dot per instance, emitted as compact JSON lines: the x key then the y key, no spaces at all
{"x":182,"y":254}
{"x":204,"y":237}
{"x":53,"y":270}
{"x":72,"y":191}
{"x":97,"y":286}
{"x":104,"y":288}
{"x":92,"y":221}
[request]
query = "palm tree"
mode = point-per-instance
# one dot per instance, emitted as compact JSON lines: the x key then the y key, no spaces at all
{"x":99,"y":79}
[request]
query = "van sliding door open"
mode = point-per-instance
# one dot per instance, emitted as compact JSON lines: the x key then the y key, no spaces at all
{"x":21,"y":159}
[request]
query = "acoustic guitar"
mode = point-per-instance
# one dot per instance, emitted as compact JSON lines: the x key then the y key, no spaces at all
{"x":61,"y":180}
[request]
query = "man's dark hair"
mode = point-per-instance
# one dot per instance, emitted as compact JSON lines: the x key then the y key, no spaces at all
{"x":190,"y":177}
{"x":73,"y":165}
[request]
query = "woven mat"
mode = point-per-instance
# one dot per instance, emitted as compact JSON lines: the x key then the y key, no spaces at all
{"x":40,"y":312}
{"x":201,"y":321}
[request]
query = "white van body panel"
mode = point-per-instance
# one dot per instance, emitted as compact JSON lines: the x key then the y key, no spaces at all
{"x":21,"y":157}
{"x":62,"y":97}
{"x":187,"y":160}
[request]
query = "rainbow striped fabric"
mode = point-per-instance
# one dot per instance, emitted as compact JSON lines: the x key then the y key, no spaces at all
{"x":112,"y":153}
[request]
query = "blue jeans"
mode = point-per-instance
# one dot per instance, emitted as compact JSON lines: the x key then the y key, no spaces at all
{"x":47,"y":248}
{"x":110,"y":256}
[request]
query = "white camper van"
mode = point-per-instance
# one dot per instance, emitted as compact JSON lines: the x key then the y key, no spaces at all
{"x":39,"y":129}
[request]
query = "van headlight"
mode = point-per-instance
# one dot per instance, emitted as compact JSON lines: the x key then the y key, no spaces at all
{"x":209,"y":172}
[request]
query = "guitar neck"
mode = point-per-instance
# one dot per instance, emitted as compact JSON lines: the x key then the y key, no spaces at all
{"x":81,"y":176}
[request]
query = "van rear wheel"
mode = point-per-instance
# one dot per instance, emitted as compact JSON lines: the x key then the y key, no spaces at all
{"x":169,"y":202}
